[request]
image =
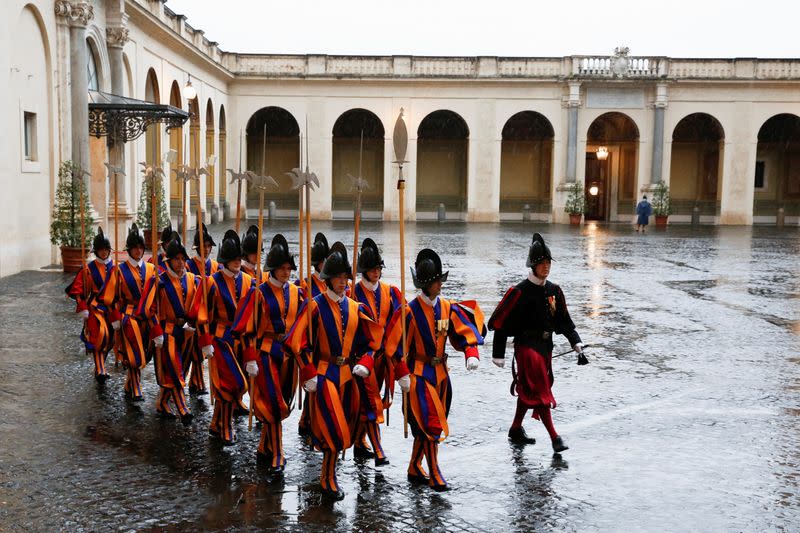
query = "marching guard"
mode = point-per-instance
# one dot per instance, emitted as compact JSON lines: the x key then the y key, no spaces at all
{"x":383,"y":301}
{"x":85,"y":289}
{"x":342,"y":331}
{"x":319,"y":252}
{"x":193,"y":364}
{"x":430,"y":321}
{"x":250,"y":259}
{"x":122,"y":294}
{"x":264,"y":320}
{"x":532,"y":312}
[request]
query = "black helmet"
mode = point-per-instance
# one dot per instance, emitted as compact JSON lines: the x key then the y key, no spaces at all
{"x":166,"y":234}
{"x":174,"y":247}
{"x":427,"y":269}
{"x":538,"y":251}
{"x":206,"y":238}
{"x":250,"y":241}
{"x":336,"y":263}
{"x":135,"y":238}
{"x":320,"y":250}
{"x":100,"y":241}
{"x":279,"y":254}
{"x":231,"y":247}
{"x":370,"y":256}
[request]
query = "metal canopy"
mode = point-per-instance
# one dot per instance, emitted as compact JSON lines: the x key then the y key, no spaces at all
{"x":123,"y":119}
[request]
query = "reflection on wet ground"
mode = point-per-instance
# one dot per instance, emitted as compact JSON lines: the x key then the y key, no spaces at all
{"x":687,"y":418}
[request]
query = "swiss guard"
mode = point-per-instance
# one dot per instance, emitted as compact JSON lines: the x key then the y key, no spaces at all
{"x":164,"y":239}
{"x":122,"y":294}
{"x":430,"y":321}
{"x":264,"y":319}
{"x":532,"y":312}
{"x":228,"y":383}
{"x":383,"y":301}
{"x":343,"y":334}
{"x":193,"y":364}
{"x":250,"y":259}
{"x":319,"y":252}
{"x":85,"y":289}
{"x":166,"y":304}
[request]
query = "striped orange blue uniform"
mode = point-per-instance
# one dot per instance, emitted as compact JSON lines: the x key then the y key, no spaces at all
{"x":96,"y":333}
{"x":228,"y":382}
{"x":383,"y":302}
{"x":263,"y":322}
{"x":162,"y":262}
{"x":122,"y":294}
{"x":318,"y":285}
{"x":167,"y":304}
{"x":427,"y":329}
{"x":193,"y":364}
{"x":341,"y":330}
{"x":250,"y":269}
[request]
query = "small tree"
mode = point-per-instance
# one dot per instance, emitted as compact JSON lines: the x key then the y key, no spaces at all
{"x":661,"y":204}
{"x":145,"y":217}
{"x":576,"y":199}
{"x":65,"y":225}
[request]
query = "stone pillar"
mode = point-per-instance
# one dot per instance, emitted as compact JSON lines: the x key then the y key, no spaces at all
{"x":116,"y":37}
{"x":658,"y":134}
{"x":77,"y":14}
{"x":573,"y":104}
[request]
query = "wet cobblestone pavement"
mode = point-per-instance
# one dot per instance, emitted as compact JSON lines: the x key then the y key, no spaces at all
{"x":685,"y":420}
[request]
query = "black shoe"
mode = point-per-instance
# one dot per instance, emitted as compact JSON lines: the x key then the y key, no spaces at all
{"x":336,"y":495}
{"x":137,"y":399}
{"x":558,"y":445}
{"x":101,"y":379}
{"x":186,"y":419}
{"x":240,"y":411}
{"x":441,"y":488}
{"x":303,"y":431}
{"x":362,"y":453}
{"x":518,"y":436}
{"x":228,"y":442}
{"x":414,"y":479}
{"x":263,"y":459}
{"x":277,"y":471}
{"x":381,"y":461}
{"x":213,"y":433}
{"x":165,"y":414}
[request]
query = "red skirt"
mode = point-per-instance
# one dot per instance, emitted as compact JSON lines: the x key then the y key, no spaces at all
{"x":534,"y":377}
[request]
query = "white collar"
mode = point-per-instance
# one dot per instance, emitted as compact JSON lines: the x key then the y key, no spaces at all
{"x":249,"y":265}
{"x":172,"y":273}
{"x":533,"y":279}
{"x":371,"y":286}
{"x":230,"y":273}
{"x":134,"y":263}
{"x":106,"y":261}
{"x":333,"y":296}
{"x":427,"y":300}
{"x":274,"y":282}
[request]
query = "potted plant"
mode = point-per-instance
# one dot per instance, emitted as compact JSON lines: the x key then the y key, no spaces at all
{"x":65,"y":226}
{"x":576,"y":202}
{"x":661,"y":204}
{"x":144,"y":216}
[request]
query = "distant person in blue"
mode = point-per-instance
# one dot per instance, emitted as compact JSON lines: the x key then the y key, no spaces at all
{"x":643,"y":211}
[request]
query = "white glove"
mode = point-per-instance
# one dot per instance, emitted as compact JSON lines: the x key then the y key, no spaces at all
{"x":116,"y":325}
{"x":361,"y":371}
{"x":252,"y":368}
{"x":208,"y":351}
{"x":84,"y":314}
{"x":499,"y":362}
{"x":405,"y":383}
{"x":310,"y":385}
{"x":578,"y":347}
{"x":472,"y":363}
{"x":188,"y":328}
{"x":159,"y":341}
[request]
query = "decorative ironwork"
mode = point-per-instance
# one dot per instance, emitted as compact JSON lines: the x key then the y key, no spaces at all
{"x":124,"y":119}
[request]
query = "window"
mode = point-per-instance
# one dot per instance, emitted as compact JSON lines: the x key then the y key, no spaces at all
{"x":91,"y":68}
{"x":30,"y":136}
{"x":760,"y":179}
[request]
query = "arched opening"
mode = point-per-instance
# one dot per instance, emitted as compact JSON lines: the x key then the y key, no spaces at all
{"x":101,"y":189}
{"x":175,"y":143}
{"x":194,"y":145}
{"x":442,"y":151}
{"x":612,"y":150}
{"x":696,"y":165}
{"x":526,"y":163}
{"x":153,"y":133}
{"x":210,"y":149}
{"x":777,"y":172}
{"x":223,"y":157}
{"x":348,"y":159}
{"x":282,"y":150}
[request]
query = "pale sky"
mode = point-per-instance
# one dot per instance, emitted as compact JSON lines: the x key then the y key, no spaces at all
{"x":677,"y":28}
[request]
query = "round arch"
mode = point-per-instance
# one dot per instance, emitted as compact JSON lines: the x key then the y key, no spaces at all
{"x":698,"y":141}
{"x":442,"y":162}
{"x":281,"y":146}
{"x":348,"y":159}
{"x":176,"y":144}
{"x":222,"y":156}
{"x":526,"y":163}
{"x":777,"y":172}
{"x":210,"y":151}
{"x":610,"y":180}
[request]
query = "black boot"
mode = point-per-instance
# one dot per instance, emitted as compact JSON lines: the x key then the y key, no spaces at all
{"x":559,"y":445}
{"x":186,"y":419}
{"x":518,"y":436}
{"x":362,"y":452}
{"x":335,"y":495}
{"x":263,"y":459}
{"x":381,"y":461}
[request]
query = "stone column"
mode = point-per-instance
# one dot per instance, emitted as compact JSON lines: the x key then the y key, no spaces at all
{"x":116,"y":37}
{"x":658,"y":134}
{"x":77,"y":15}
{"x":573,"y":104}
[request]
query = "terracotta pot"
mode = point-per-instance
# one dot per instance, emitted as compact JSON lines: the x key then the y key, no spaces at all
{"x":575,"y":219}
{"x":661,"y":221}
{"x":71,"y":259}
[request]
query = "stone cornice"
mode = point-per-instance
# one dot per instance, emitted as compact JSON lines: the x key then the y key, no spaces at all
{"x":74,"y":12}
